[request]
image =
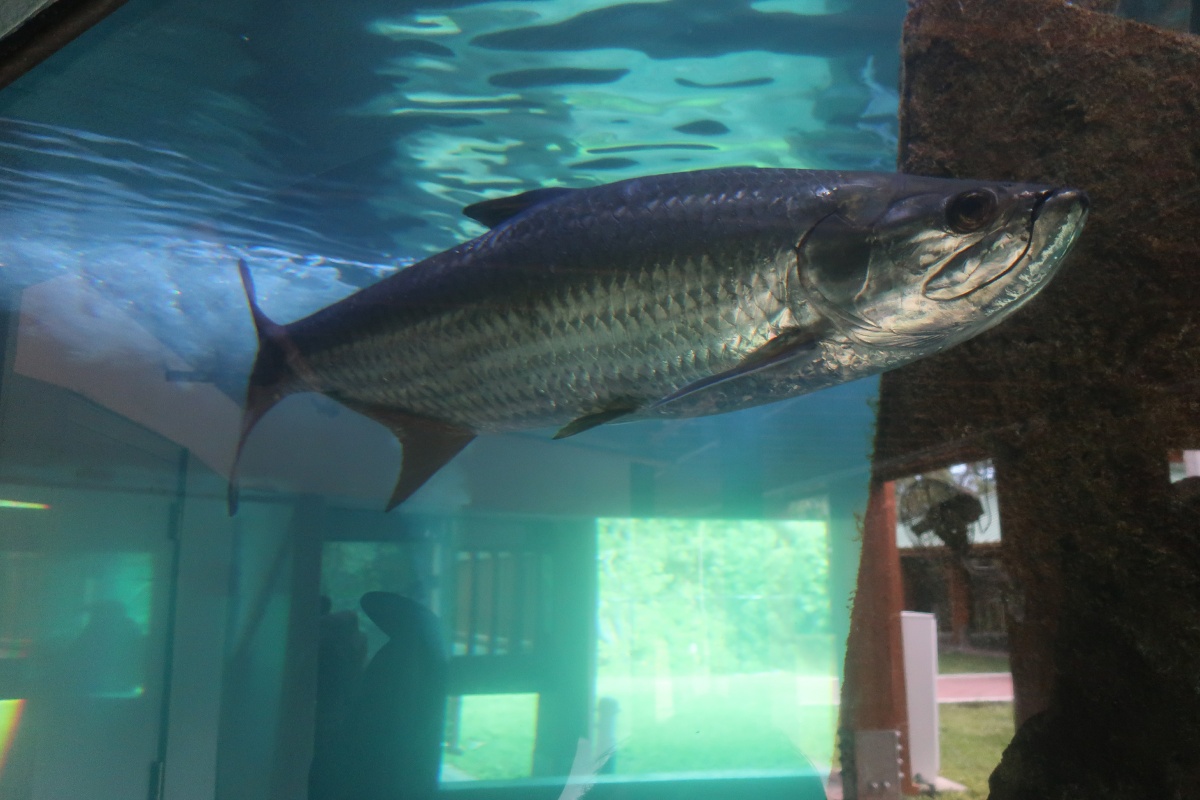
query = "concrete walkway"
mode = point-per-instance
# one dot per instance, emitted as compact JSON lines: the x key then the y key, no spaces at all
{"x":968,"y":687}
{"x":834,"y":790}
{"x":975,"y":687}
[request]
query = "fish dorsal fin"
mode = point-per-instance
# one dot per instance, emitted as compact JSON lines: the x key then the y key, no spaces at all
{"x":493,"y":212}
{"x":428,"y":445}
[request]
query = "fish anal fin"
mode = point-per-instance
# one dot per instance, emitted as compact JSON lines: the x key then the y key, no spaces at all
{"x":778,"y":350}
{"x":493,"y":212}
{"x":589,"y":421}
{"x":259,"y":400}
{"x":428,"y":445}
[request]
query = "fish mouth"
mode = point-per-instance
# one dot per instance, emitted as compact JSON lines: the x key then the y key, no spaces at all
{"x":1055,"y":224}
{"x":1055,"y":220}
{"x":1062,"y":198}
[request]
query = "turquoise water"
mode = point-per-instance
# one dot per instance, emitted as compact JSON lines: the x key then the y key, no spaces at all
{"x":671,"y":594}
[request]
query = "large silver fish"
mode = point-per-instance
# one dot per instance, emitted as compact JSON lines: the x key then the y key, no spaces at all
{"x":667,"y":296}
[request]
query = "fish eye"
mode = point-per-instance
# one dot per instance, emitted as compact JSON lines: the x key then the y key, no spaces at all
{"x":971,"y":211}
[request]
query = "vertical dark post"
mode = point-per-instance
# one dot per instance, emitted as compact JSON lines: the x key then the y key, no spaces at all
{"x":10,"y":321}
{"x":1032,"y":566}
{"x":642,"y":500}
{"x":174,"y":525}
{"x":958,"y":583}
{"x":565,"y":705}
{"x":294,"y":734}
{"x":473,"y":608}
{"x":847,"y":501}
{"x":873,"y":696}
{"x":741,"y":467}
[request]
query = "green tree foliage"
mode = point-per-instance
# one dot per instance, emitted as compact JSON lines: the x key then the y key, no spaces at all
{"x":711,"y":596}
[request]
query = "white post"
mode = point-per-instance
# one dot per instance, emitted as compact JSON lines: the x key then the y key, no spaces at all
{"x":919,"y":635}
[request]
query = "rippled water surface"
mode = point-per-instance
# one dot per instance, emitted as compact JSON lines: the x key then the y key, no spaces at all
{"x":330,"y":146}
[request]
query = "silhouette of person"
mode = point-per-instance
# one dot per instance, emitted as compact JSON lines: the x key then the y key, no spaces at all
{"x":341,"y":654}
{"x":394,"y":733}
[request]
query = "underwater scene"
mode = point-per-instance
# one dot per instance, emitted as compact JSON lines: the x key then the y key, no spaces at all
{"x":562,"y":398}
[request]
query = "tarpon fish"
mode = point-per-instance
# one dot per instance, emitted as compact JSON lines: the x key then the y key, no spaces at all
{"x":667,"y":296}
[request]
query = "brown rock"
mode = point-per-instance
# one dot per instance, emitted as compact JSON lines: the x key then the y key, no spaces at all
{"x":1080,"y":397}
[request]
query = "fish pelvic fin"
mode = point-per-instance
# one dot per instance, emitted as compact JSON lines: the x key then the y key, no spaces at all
{"x":589,"y":421}
{"x":273,"y":377}
{"x":427,"y":446}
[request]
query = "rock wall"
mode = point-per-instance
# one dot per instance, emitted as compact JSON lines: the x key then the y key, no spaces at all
{"x":1081,"y":397}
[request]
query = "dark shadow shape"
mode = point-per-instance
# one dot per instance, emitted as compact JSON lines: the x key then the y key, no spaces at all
{"x":394,"y":730}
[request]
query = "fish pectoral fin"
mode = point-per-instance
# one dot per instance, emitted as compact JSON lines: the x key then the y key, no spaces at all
{"x":428,"y":445}
{"x":778,"y":350}
{"x":493,"y":212}
{"x":589,"y":421}
{"x":781,"y":348}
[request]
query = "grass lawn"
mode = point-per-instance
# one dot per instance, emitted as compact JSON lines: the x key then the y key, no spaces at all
{"x":950,"y":661}
{"x":766,"y":721}
{"x":496,"y":736}
{"x":758,"y":722}
{"x":973,"y":737}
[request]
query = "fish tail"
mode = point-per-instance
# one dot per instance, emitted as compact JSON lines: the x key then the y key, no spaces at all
{"x":272,"y":378}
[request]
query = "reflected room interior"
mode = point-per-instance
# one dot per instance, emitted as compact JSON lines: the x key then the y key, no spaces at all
{"x":819,"y":598}
{"x":660,"y":618}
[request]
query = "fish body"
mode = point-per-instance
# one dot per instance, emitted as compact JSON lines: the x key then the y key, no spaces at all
{"x":668,"y":296}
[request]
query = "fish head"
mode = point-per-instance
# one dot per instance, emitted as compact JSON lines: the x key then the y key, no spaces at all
{"x":929,"y":262}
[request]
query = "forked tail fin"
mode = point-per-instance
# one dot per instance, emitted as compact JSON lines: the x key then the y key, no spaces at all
{"x":272,"y":378}
{"x":279,"y":370}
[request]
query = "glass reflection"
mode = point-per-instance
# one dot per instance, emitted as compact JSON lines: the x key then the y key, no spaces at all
{"x":715,"y":644}
{"x":666,"y":646}
{"x":10,"y":722}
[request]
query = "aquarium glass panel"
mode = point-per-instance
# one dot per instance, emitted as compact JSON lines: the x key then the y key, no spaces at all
{"x":82,"y":615}
{"x":564,"y":398}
